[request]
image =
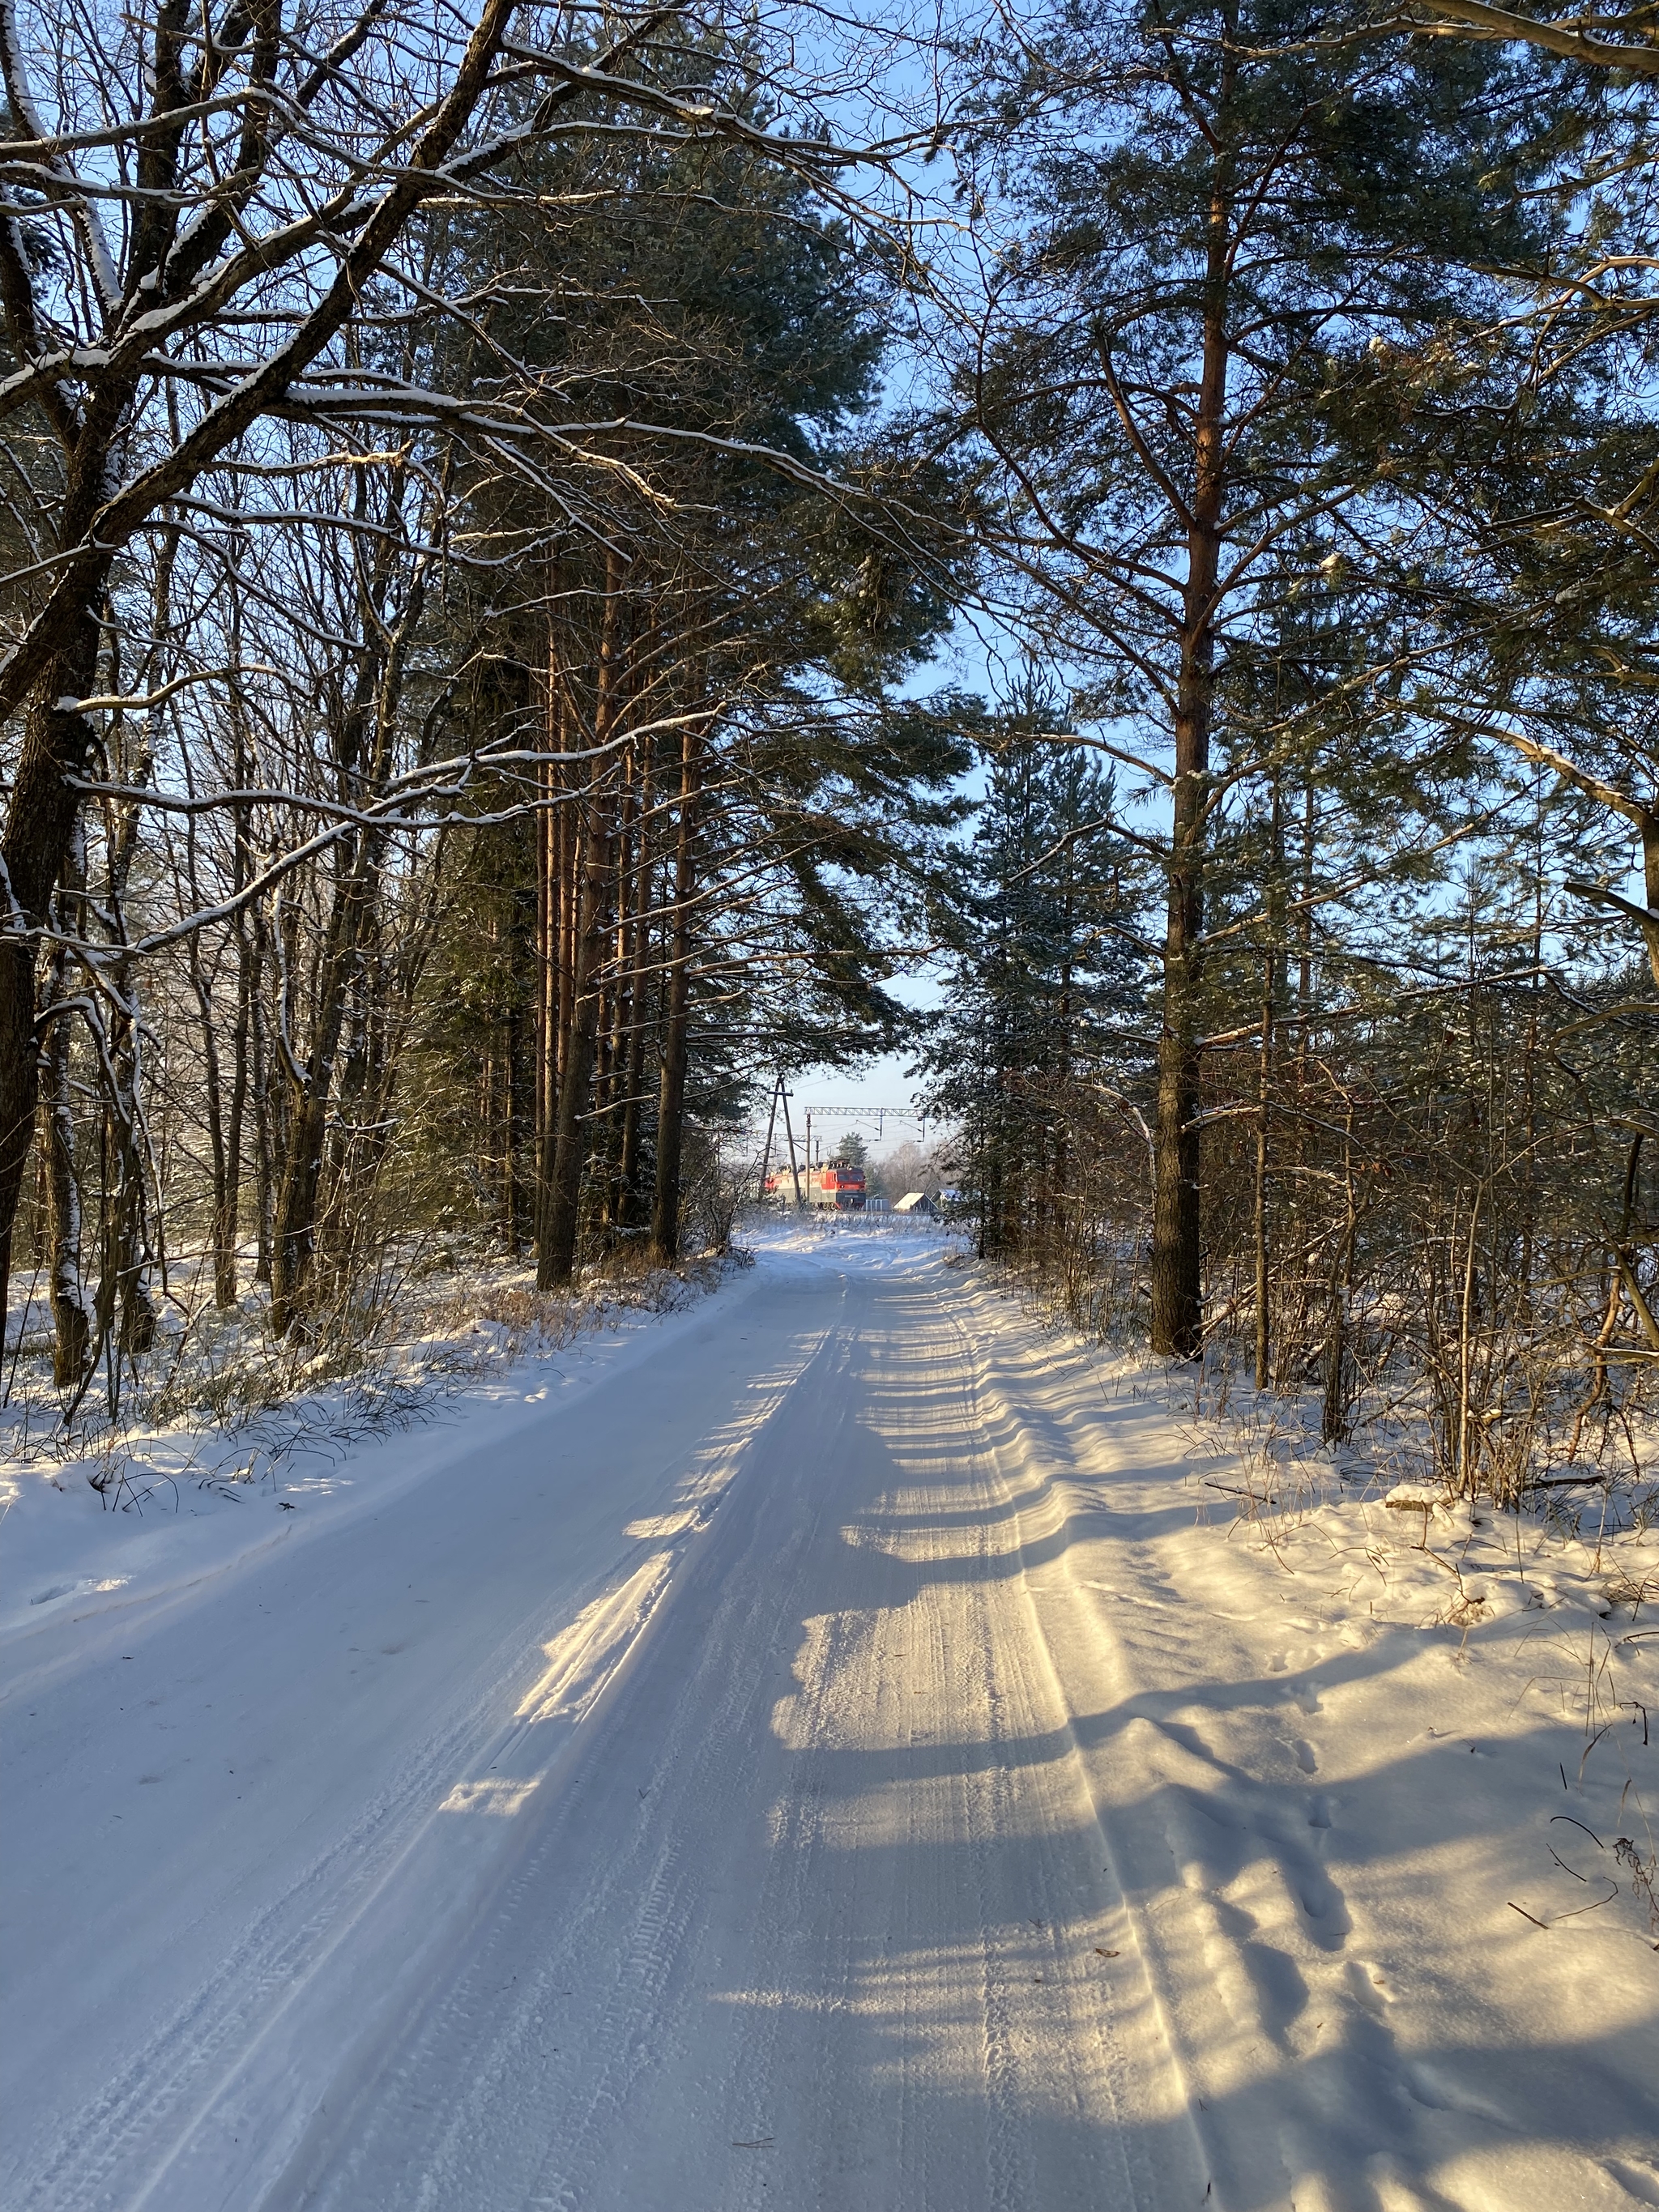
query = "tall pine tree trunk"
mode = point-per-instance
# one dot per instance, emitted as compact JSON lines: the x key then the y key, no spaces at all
{"x":1264,"y":1097}
{"x":670,"y":1097}
{"x":1177,"y":1255}
{"x":1259,"y":1194}
{"x":619,"y":1011}
{"x":557,"y":1260}
{"x":628,"y":1165}
{"x":589,"y":901}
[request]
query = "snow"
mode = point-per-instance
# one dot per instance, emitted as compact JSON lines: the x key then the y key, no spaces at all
{"x":159,"y":1508}
{"x":843,"y":1744}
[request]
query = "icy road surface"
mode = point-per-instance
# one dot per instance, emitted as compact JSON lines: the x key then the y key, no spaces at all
{"x":827,"y":1765}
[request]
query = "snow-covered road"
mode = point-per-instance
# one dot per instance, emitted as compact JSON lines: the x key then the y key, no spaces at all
{"x":822,"y":1767}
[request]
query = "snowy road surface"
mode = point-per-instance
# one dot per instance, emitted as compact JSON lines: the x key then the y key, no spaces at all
{"x":828,"y":1765}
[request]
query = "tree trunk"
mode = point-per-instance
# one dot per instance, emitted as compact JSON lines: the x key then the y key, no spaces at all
{"x":587,"y":898}
{"x":1264,"y":1076}
{"x":128,"y":1254}
{"x":611,"y":1088}
{"x":1333,"y":1413}
{"x":1264,"y":1096}
{"x":556,"y":862}
{"x":557,"y":1263}
{"x":670,"y":1097}
{"x":265,"y":1113}
{"x":228,"y":1198}
{"x":71,"y":1315}
{"x":223,"y":1261}
{"x":1177,"y":1255}
{"x":295,"y":1229}
{"x":228,"y":1217}
{"x":57,"y":744}
{"x":627,"y":1169}
{"x":293,"y":1243}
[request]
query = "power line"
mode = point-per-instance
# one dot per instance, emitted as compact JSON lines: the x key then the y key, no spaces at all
{"x":919,"y":1118}
{"x":903,"y":1113}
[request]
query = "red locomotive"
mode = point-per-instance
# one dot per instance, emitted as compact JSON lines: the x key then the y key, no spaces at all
{"x":836,"y":1188}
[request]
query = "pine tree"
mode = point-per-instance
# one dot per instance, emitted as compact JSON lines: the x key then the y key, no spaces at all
{"x":1215,"y":221}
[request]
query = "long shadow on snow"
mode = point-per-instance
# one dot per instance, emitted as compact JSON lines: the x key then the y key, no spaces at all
{"x":862,"y":2064}
{"x":1356,"y":2099}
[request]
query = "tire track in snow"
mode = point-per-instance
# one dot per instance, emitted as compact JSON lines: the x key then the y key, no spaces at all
{"x":158,"y":2098}
{"x":958,"y":1618}
{"x":630,"y":2035}
{"x":843,"y":1678}
{"x":797,"y":1881}
{"x":1049,"y":1512}
{"x":187,"y":2101}
{"x":1138,"y":2181}
{"x":818,"y":1964}
{"x":483,"y":2046}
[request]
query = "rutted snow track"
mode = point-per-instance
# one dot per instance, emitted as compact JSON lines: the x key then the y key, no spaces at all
{"x":798,"y":1774}
{"x":815,"y":1921}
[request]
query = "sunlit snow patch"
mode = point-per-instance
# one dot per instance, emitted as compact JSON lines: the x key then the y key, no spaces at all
{"x":85,"y":1588}
{"x":503,"y":1799}
{"x":583,"y":1659}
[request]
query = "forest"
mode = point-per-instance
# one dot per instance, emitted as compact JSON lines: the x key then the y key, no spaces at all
{"x":553,"y":555}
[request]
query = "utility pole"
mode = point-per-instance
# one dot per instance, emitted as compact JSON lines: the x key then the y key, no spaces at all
{"x":771,"y":1124}
{"x":793,"y":1170}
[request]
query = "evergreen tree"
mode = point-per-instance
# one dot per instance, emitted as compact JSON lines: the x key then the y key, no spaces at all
{"x":1048,"y":981}
{"x":1219,"y":220}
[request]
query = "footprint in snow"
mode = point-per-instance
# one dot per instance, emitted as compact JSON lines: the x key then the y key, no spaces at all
{"x":1366,"y":1984}
{"x":1437,"y":2093}
{"x":1636,"y":2177}
{"x":1326,"y":1909}
{"x":1281,"y":1992}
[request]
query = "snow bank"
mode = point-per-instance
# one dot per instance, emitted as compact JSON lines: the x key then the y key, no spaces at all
{"x":1379,"y":1776}
{"x":158,"y":1510}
